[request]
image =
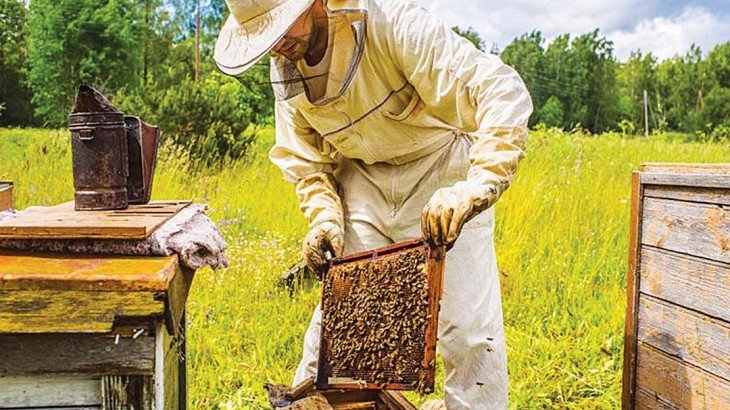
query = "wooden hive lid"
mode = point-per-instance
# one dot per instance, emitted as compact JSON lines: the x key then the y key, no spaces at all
{"x":63,"y":293}
{"x":63,"y":222}
{"x":24,"y":271}
{"x":714,"y":175}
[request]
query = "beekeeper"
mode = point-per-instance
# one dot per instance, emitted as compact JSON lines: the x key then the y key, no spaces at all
{"x":394,"y":127}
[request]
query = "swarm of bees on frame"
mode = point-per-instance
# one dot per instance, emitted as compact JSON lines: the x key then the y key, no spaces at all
{"x":375,"y":318}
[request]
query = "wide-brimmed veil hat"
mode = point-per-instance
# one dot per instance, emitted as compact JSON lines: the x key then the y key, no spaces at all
{"x":252,"y":30}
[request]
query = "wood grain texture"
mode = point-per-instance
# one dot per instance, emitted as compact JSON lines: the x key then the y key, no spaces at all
{"x":121,"y":392}
{"x":6,"y":195}
{"x":63,"y":222}
{"x":686,"y":168}
{"x":54,"y":311}
{"x":172,"y":349}
{"x":646,"y":400}
{"x":395,"y":401}
{"x":23,"y":271}
{"x":701,"y":230}
{"x":687,"y":180}
{"x":76,"y":353}
{"x":678,"y":385}
{"x":691,"y":194}
{"x":177,"y":295}
{"x":632,"y":294}
{"x":687,"y":281}
{"x":49,"y":391}
{"x":689,"y":336}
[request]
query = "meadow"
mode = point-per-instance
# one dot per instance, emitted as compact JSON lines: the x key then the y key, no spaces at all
{"x":562,"y":244}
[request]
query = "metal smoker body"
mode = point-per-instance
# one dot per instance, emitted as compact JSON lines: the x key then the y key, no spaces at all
{"x":114,"y":155}
{"x":100,"y":160}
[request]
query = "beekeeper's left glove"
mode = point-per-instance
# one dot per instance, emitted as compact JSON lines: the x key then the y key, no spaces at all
{"x":450,"y":208}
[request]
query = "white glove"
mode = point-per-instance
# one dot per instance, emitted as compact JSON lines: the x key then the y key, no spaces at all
{"x":325,"y":237}
{"x":450,"y":208}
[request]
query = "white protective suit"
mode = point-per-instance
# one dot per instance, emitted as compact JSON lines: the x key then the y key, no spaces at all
{"x":409,"y":107}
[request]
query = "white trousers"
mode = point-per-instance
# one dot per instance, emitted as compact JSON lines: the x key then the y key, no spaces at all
{"x":382,"y":206}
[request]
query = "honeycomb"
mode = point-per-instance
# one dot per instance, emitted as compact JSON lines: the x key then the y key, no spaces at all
{"x":375,"y":317}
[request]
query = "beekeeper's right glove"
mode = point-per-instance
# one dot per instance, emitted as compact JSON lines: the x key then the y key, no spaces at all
{"x":450,"y":208}
{"x":321,"y":205}
{"x":323,"y":242}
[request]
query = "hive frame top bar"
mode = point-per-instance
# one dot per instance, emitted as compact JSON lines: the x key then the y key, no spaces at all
{"x":385,"y":250}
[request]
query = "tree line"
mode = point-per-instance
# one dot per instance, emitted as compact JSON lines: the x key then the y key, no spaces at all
{"x":578,"y":82}
{"x":142,"y":53}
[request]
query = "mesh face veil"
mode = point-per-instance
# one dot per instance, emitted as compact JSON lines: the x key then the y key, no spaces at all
{"x":329,"y":78}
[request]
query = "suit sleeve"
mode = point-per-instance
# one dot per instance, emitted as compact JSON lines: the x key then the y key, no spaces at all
{"x":467,"y":88}
{"x":300,"y":153}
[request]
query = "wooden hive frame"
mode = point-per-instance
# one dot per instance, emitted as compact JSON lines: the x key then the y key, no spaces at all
{"x":677,"y":335}
{"x":435,"y":258}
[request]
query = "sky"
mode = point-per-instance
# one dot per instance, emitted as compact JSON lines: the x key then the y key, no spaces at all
{"x":665,"y":28}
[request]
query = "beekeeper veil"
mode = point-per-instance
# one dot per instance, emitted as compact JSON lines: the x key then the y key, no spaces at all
{"x":254,"y":28}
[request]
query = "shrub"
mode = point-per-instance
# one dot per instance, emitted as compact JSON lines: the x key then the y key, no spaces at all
{"x":214,"y":120}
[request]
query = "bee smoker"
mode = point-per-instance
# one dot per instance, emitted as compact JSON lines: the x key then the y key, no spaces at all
{"x":113,"y":155}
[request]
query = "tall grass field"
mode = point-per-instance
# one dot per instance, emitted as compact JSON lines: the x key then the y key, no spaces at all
{"x":562,"y":246}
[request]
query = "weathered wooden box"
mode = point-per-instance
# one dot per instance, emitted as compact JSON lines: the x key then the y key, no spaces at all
{"x":677,"y":340}
{"x":86,"y":332}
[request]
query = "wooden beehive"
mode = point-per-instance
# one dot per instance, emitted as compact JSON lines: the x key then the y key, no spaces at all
{"x":677,"y":339}
{"x":6,"y":195}
{"x":92,"y":331}
{"x":380,"y":317}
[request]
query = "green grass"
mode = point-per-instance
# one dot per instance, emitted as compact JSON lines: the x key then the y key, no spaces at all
{"x":562,"y":244}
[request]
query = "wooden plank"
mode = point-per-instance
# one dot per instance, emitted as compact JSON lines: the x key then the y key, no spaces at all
{"x":646,"y":400}
{"x":679,"y":385}
{"x":686,"y":168}
{"x":182,"y":364}
{"x":49,"y":391}
{"x":696,"y":229}
{"x":632,"y":295}
{"x":689,"y":336}
{"x":685,"y":180}
{"x":172,"y":354}
{"x":395,"y":401}
{"x":687,"y":281}
{"x":76,"y":353}
{"x":53,"y":311}
{"x":23,"y":271}
{"x":63,"y":222}
{"x":127,"y":393}
{"x":177,"y":295}
{"x":691,"y":194}
{"x":65,"y":408}
{"x":6,"y":195}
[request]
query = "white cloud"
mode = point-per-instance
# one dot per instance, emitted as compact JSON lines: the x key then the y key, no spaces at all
{"x":664,"y":27}
{"x":666,"y":37}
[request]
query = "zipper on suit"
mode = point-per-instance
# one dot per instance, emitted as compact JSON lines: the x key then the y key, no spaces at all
{"x":395,"y":207}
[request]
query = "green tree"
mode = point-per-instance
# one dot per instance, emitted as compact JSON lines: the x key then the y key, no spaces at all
{"x":95,"y":42}
{"x":525,"y":55}
{"x":633,"y":78}
{"x":552,"y":112}
{"x":14,"y":94}
{"x":718,"y":65}
{"x":682,"y":84}
{"x":470,"y":34}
